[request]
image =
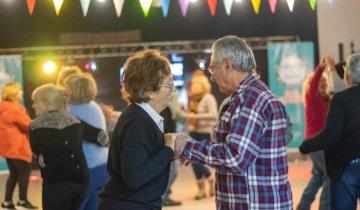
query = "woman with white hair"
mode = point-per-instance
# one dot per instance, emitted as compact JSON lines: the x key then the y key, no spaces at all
{"x":56,"y":138}
{"x":340,"y":140}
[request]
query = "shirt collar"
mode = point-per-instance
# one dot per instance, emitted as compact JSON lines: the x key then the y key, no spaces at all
{"x":153,"y":114}
{"x":243,"y":84}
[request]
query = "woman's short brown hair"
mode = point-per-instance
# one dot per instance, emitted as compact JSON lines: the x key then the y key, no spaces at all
{"x":81,"y":88}
{"x":65,"y":73}
{"x":10,"y":92}
{"x":144,"y":73}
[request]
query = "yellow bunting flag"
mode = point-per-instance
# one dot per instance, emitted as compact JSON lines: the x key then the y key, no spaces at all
{"x":256,"y":5}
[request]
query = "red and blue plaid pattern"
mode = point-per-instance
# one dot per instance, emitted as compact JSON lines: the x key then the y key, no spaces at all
{"x":249,"y":153}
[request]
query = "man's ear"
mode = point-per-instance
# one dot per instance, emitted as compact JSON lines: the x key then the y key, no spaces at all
{"x":227,"y":64}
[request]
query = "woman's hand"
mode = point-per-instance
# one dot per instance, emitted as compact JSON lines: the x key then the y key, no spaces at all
{"x":170,"y":140}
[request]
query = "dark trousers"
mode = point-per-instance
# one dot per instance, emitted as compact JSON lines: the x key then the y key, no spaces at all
{"x":200,"y":170}
{"x":63,"y":196}
{"x":19,"y":172}
{"x":345,"y":192}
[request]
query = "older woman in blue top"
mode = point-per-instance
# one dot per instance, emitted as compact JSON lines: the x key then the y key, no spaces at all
{"x":81,"y":90}
{"x":139,"y":160}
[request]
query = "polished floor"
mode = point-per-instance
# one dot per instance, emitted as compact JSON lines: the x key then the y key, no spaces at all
{"x":184,"y":188}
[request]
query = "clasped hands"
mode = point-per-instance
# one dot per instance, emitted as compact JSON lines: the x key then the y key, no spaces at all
{"x":176,"y":141}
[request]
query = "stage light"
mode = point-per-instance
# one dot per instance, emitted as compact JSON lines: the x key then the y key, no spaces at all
{"x":91,"y":66}
{"x":49,"y":67}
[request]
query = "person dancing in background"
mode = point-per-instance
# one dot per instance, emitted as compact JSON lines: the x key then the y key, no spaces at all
{"x":202,"y":118}
{"x":316,"y":89}
{"x":15,"y":146}
{"x":56,"y":138}
{"x":81,"y":90}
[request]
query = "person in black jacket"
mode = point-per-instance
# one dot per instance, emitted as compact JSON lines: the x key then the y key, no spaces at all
{"x":55,"y":139}
{"x":340,"y":140}
{"x":139,"y":158}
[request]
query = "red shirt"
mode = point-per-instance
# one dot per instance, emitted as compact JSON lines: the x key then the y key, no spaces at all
{"x":316,"y":107}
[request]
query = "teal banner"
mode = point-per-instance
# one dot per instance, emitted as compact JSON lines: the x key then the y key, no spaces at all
{"x":10,"y":71}
{"x":288,"y":66}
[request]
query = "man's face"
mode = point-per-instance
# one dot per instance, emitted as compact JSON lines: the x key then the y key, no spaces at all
{"x":218,"y":75}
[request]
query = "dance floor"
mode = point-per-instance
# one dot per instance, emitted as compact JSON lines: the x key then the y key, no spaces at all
{"x":185,"y":188}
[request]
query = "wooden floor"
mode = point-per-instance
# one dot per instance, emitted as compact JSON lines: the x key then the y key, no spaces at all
{"x":184,"y":188}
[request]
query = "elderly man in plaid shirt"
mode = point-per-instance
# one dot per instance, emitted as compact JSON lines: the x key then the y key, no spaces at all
{"x":248,"y":151}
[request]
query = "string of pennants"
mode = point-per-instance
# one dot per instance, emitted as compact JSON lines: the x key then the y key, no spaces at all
{"x":165,"y":4}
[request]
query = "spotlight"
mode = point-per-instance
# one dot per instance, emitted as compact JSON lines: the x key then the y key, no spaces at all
{"x":49,"y":67}
{"x":91,"y":66}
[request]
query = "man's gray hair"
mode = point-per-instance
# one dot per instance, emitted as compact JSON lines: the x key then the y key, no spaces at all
{"x":353,"y":68}
{"x":237,"y":51}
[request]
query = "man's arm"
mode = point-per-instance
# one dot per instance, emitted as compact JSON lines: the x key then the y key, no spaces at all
{"x":239,"y":151}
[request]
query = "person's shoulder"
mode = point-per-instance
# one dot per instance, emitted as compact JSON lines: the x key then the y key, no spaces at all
{"x":54,"y":120}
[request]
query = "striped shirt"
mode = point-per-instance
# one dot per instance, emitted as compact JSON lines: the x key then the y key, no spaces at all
{"x":249,"y":153}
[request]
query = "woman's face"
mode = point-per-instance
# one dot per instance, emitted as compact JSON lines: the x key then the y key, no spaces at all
{"x":162,"y":97}
{"x":39,"y":107}
{"x":196,"y":90}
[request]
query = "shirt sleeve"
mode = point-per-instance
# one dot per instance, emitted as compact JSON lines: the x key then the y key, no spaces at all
{"x":242,"y":146}
{"x":314,"y":83}
{"x":22,"y":119}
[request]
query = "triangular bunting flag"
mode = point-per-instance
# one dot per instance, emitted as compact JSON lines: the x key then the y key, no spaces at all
{"x":31,"y":5}
{"x":272,"y":4}
{"x":184,"y":5}
{"x":256,"y":5}
{"x":58,"y":4}
{"x":85,"y":6}
{"x":212,"y":6}
{"x":290,"y":4}
{"x":312,"y":4}
{"x":165,"y":4}
{"x":145,"y":4}
{"x":118,"y":6}
{"x":228,"y":5}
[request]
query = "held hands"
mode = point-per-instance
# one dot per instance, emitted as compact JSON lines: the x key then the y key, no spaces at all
{"x":176,"y":141}
{"x":327,"y":61}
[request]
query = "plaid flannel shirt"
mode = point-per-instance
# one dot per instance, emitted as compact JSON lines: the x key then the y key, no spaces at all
{"x":249,"y":151}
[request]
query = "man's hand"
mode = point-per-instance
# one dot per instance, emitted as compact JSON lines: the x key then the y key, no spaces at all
{"x":180,"y":141}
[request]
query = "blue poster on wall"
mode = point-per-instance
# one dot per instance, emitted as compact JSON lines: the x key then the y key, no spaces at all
{"x":288,"y":66}
{"x":10,"y":71}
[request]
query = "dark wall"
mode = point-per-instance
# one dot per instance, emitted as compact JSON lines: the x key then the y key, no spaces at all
{"x":18,"y":29}
{"x":43,"y":27}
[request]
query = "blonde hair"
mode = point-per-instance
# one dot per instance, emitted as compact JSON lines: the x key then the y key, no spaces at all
{"x":10,"y":92}
{"x":54,"y":97}
{"x":82,"y":88}
{"x":201,"y":78}
{"x":65,"y":73}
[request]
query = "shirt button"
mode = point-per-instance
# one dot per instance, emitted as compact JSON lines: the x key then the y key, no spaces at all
{"x":77,"y":166}
{"x":72,"y":155}
{"x":66,"y":142}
